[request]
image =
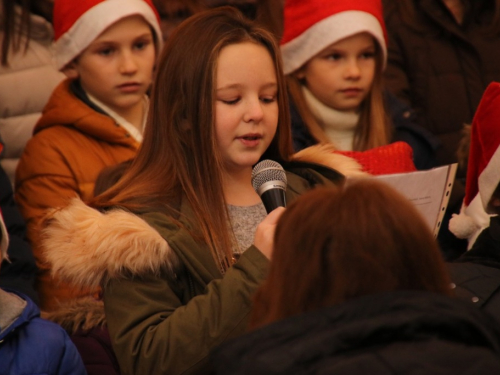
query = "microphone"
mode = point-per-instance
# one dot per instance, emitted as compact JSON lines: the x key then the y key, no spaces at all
{"x":269,"y":181}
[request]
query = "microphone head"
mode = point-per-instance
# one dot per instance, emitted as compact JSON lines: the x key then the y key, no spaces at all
{"x":268,"y":171}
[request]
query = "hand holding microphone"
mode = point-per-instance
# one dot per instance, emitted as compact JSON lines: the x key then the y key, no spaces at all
{"x":264,"y":235}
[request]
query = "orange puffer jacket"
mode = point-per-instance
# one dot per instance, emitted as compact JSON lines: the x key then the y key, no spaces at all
{"x":71,"y":144}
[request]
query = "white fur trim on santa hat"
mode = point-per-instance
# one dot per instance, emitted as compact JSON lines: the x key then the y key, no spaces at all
{"x":4,"y":243}
{"x":97,"y":19}
{"x":489,"y":179}
{"x":341,"y":25}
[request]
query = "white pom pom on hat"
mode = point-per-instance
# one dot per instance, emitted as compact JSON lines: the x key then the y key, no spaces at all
{"x":464,"y":225}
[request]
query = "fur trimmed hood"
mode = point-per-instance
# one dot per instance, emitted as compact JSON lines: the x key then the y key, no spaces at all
{"x":76,"y":241}
{"x":82,"y":313}
{"x":79,"y":238}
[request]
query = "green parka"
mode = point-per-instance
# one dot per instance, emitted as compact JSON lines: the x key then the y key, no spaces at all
{"x":166,"y":302}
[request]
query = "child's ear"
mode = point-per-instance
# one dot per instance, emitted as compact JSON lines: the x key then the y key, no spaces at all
{"x":70,"y":70}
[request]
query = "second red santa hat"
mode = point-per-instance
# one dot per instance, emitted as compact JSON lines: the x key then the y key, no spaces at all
{"x":312,"y":25}
{"x":483,"y":169}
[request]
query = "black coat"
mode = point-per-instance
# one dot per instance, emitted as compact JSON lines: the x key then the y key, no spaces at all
{"x":476,"y":273}
{"x":387,"y":333}
{"x":18,"y":274}
{"x":441,"y":68}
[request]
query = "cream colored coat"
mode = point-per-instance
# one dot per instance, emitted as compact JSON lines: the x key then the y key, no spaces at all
{"x":25,"y":87}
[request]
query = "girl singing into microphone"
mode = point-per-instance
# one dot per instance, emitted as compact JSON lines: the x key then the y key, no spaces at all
{"x":182,"y":241}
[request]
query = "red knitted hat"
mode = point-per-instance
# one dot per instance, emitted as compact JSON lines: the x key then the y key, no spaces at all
{"x":77,"y":23}
{"x":483,"y":169}
{"x":312,"y":25}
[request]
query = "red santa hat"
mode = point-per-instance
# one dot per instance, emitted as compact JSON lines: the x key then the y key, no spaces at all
{"x":78,"y":23}
{"x":312,"y":25}
{"x":483,"y":169}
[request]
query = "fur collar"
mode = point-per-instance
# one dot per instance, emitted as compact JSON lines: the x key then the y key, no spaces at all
{"x":82,"y":313}
{"x":77,"y":242}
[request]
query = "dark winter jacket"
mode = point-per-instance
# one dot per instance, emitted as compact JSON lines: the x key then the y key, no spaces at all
{"x":422,"y":142}
{"x":441,"y":68}
{"x":388,"y":333}
{"x":476,"y":273}
{"x":94,"y":345}
{"x":30,"y":345}
{"x":20,"y":271}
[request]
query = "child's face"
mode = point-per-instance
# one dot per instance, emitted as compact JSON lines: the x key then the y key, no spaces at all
{"x":117,"y":67}
{"x":341,"y":75}
{"x":246,"y":108}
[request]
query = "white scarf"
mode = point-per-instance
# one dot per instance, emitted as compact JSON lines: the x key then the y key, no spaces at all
{"x":129,"y":127}
{"x":339,"y":126}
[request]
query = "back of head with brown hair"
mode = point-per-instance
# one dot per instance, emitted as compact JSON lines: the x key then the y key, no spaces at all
{"x":336,"y":244}
{"x":13,"y":27}
{"x":16,"y":26}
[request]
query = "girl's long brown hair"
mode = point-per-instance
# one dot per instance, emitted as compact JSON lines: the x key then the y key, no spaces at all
{"x":373,"y":128}
{"x":336,"y":244}
{"x":179,"y":155}
{"x":15,"y":30}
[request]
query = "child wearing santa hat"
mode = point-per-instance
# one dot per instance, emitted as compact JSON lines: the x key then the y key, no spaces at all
{"x":94,"y":118}
{"x":334,"y":53}
{"x":476,"y":274}
{"x":483,"y":170}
